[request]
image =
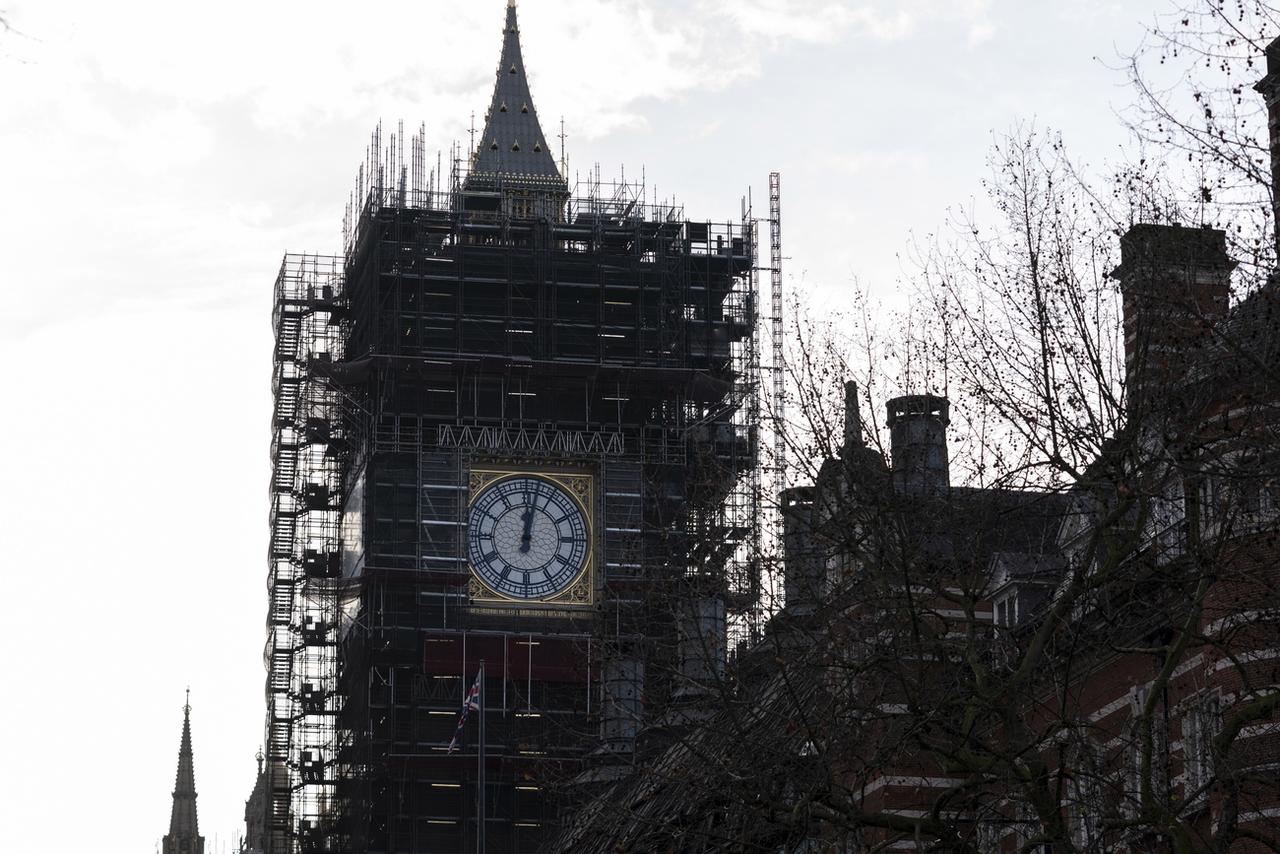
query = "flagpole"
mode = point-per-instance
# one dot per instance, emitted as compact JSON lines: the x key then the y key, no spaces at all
{"x":480,"y":754}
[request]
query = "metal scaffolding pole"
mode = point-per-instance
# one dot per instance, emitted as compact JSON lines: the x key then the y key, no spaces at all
{"x":778,"y":365}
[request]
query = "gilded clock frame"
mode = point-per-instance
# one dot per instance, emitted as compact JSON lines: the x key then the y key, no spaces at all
{"x":581,"y":487}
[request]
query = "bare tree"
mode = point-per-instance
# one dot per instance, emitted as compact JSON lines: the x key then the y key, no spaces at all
{"x":1196,"y":117}
{"x":1058,"y":629}
{"x":1065,"y":647}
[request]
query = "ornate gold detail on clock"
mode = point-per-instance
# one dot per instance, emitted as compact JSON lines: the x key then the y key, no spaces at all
{"x":531,"y":537}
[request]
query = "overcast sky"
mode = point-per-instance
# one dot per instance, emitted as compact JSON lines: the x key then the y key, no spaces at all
{"x":156,"y":160}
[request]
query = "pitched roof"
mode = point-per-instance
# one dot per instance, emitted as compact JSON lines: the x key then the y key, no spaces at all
{"x":677,"y":800}
{"x":513,"y":149}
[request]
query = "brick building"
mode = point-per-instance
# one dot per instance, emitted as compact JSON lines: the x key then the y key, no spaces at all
{"x":1091,"y":668}
{"x":1096,"y":665}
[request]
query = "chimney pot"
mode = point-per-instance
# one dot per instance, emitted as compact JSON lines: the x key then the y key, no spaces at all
{"x":918,"y":441}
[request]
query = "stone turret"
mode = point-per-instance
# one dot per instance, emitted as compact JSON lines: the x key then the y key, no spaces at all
{"x":255,"y":815}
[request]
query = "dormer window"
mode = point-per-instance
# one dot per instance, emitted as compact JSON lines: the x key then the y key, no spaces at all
{"x":525,"y":108}
{"x":515,"y":146}
{"x":493,"y":146}
{"x":513,"y":69}
{"x":537,"y":146}
{"x":503,"y":108}
{"x":1005,"y":612}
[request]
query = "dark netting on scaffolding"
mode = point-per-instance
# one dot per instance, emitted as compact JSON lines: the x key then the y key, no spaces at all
{"x":615,"y":338}
{"x":488,"y":321}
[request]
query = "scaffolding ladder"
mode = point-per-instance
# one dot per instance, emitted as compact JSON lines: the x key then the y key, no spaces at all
{"x":302,"y":557}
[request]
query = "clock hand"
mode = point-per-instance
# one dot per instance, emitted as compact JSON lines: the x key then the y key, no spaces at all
{"x":527,"y":518}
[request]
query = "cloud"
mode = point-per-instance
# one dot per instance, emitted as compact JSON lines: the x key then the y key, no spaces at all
{"x":981,"y":33}
{"x":854,"y":162}
{"x":778,"y":22}
{"x":159,"y":158}
{"x":146,"y":106}
{"x":295,"y":64}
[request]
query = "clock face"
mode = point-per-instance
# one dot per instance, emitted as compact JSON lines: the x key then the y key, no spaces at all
{"x":526,"y":537}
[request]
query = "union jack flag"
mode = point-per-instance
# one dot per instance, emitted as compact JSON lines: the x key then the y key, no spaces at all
{"x":471,"y":702}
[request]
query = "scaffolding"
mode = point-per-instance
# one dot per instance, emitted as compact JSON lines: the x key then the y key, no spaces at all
{"x":303,"y":554}
{"x":604,"y":333}
{"x":777,"y":367}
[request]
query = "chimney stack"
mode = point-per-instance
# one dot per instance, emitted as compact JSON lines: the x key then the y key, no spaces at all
{"x":1269,"y":87}
{"x":852,"y":419}
{"x":918,"y":442}
{"x":803,"y":568}
{"x":1175,"y":281}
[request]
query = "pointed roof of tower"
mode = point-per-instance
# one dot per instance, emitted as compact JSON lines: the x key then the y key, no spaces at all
{"x":184,"y":827}
{"x":513,"y":148}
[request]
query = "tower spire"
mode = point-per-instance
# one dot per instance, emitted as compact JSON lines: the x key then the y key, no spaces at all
{"x":512,"y":153}
{"x":184,"y":828}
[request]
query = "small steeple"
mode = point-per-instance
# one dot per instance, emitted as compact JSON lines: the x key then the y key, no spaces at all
{"x":512,"y":153}
{"x":184,"y":828}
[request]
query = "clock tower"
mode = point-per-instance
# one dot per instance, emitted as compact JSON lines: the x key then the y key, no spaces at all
{"x":515,"y":425}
